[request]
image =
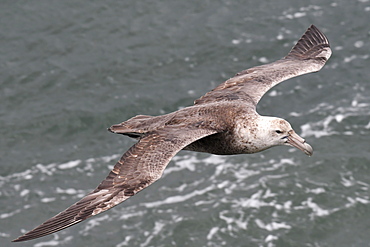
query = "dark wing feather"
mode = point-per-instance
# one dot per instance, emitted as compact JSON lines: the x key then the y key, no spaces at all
{"x":309,"y":55}
{"x":138,"y":168}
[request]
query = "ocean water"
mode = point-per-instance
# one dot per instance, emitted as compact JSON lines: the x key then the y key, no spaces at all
{"x":70,"y":69}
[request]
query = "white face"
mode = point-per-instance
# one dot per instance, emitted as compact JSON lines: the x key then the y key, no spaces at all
{"x":278,"y":131}
{"x":272,"y":131}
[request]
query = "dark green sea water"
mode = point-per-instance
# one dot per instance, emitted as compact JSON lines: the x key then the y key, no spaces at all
{"x":70,"y":69}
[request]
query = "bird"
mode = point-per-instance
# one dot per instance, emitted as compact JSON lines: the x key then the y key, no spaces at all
{"x":224,"y":121}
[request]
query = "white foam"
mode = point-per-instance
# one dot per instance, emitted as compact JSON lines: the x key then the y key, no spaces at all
{"x":359,"y":44}
{"x":70,"y":164}
{"x":48,"y":199}
{"x":7,"y":215}
{"x":4,"y":235}
{"x":292,"y":13}
{"x":158,"y":226}
{"x":180,"y":198}
{"x":358,"y":106}
{"x":320,"y":128}
{"x":128,"y":215}
{"x":126,"y":242}
{"x":280,"y":36}
{"x":316,"y":210}
{"x":271,"y":238}
{"x":230,"y":220}
{"x":93,"y":222}
{"x":349,"y":59}
{"x":272,"y":226}
{"x":47,"y":243}
{"x":69,"y":191}
{"x":236,"y":41}
{"x":316,"y":190}
{"x":263,"y":60}
{"x":362,"y":200}
{"x":55,"y":241}
{"x":212,"y":232}
{"x":188,"y":162}
{"x":254,"y":201}
{"x":46,"y":169}
{"x":24,"y":192}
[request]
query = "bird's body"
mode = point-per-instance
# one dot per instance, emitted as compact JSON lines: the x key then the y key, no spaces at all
{"x":224,"y":121}
{"x":215,"y":117}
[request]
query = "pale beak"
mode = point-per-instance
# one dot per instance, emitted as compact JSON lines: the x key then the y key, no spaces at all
{"x":298,"y":142}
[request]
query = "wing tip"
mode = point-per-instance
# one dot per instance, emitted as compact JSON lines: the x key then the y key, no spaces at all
{"x":313,"y":44}
{"x":27,"y":236}
{"x":69,"y":217}
{"x":17,"y":239}
{"x":43,"y":230}
{"x":23,"y":238}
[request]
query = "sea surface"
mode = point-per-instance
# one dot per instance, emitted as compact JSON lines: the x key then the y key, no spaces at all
{"x":70,"y":69}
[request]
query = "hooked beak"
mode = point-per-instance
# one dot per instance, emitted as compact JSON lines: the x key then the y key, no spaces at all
{"x":298,"y":142}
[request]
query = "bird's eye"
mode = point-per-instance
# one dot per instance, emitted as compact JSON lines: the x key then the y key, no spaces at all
{"x":279,"y":131}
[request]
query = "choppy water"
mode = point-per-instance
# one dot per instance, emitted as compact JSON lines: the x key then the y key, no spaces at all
{"x":70,"y":69}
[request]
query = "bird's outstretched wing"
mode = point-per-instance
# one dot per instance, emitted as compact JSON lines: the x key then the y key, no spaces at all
{"x":309,"y":55}
{"x":138,"y":168}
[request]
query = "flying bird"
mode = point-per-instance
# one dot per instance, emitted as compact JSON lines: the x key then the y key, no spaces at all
{"x":224,"y":121}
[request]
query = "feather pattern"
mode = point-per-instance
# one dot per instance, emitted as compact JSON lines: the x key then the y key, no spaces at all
{"x":309,"y":55}
{"x":223,"y":121}
{"x":139,"y":167}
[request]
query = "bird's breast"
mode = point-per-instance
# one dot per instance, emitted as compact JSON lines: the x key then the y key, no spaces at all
{"x":220,"y":143}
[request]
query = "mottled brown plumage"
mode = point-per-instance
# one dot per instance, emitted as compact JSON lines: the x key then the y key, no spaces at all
{"x":223,"y":121}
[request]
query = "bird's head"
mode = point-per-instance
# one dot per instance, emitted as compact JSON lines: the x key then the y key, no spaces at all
{"x":274,"y":131}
